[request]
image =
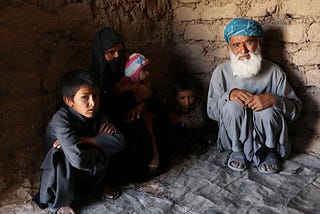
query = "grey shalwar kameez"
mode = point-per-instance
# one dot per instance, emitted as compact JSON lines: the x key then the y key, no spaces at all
{"x":242,"y":129}
{"x":77,"y":166}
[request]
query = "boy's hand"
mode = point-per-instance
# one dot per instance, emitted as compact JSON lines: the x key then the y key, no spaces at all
{"x":56,"y":144}
{"x":107,"y":128}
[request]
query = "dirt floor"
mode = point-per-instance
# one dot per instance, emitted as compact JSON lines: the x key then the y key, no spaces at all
{"x":203,"y":184}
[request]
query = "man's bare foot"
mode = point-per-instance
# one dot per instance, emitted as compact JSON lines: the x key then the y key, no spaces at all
{"x":237,"y":164}
{"x":237,"y":161}
{"x":269,"y":164}
{"x":268,"y":167}
{"x":66,"y":210}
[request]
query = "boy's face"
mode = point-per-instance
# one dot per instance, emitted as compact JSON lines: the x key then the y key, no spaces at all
{"x":114,"y":52}
{"x":85,"y":101}
{"x":144,"y":74}
{"x":185,"y":100}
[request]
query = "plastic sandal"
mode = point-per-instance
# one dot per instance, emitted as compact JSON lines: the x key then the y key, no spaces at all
{"x":240,"y":158}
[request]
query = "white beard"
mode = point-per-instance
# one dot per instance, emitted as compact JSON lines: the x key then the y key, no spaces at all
{"x":246,"y":68}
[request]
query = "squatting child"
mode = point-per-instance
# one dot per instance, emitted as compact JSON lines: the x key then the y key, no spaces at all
{"x":186,"y":116}
{"x":79,"y":142}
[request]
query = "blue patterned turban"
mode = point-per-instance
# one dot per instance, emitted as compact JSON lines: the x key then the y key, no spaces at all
{"x":242,"y":27}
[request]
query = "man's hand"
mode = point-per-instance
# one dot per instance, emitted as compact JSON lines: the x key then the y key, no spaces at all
{"x":240,"y":96}
{"x":259,"y":102}
{"x":135,"y":113}
{"x":256,"y":102}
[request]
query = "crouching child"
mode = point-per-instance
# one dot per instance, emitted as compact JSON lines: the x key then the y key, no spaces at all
{"x":79,"y":143}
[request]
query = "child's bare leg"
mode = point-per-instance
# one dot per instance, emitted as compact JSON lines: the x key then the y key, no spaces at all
{"x":155,"y":156}
{"x":66,"y":210}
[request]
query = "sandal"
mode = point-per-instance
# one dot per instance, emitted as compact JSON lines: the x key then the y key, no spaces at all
{"x":240,"y":158}
{"x":270,"y":159}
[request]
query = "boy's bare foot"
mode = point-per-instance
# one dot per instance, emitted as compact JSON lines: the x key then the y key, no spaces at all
{"x":109,"y":192}
{"x":66,"y":210}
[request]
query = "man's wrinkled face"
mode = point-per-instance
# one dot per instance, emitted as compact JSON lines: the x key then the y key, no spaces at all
{"x":243,"y":45}
{"x":245,"y":54}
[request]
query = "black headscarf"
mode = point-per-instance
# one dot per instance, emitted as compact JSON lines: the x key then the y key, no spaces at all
{"x":107,"y":73}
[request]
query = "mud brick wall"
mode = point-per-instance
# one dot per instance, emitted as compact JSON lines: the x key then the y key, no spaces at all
{"x":42,"y":39}
{"x":292,"y":40}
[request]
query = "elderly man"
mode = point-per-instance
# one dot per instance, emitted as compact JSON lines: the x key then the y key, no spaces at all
{"x":252,"y":102}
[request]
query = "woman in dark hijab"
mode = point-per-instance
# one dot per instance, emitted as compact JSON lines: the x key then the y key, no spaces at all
{"x":108,"y":66}
{"x":108,"y":61}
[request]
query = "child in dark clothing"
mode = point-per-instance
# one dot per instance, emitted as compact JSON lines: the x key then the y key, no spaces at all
{"x":137,"y":72}
{"x":186,"y":117}
{"x":79,"y":142}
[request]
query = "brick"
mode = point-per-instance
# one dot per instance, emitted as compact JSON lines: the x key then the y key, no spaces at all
{"x":185,"y":14}
{"x":188,"y":50}
{"x":227,"y":11}
{"x":294,"y":33}
{"x":221,"y":52}
{"x":262,"y":8}
{"x":199,"y":32}
{"x":309,"y":8}
{"x":307,"y":56}
{"x":313,"y":78}
{"x":189,"y":1}
{"x":313,"y":32}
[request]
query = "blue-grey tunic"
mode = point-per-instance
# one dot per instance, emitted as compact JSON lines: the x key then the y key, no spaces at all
{"x":241,"y":129}
{"x":77,"y":165}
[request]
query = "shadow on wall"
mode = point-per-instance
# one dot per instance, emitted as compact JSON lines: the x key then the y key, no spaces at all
{"x":303,"y":131}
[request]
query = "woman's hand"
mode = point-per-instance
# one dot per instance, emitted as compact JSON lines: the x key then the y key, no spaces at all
{"x":135,"y":113}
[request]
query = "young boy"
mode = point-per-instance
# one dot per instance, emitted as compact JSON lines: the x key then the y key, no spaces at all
{"x":136,"y":73}
{"x":79,"y":142}
{"x":186,"y":117}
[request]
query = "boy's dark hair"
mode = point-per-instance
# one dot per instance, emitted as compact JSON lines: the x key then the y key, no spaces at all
{"x":73,"y":80}
{"x":183,"y":82}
